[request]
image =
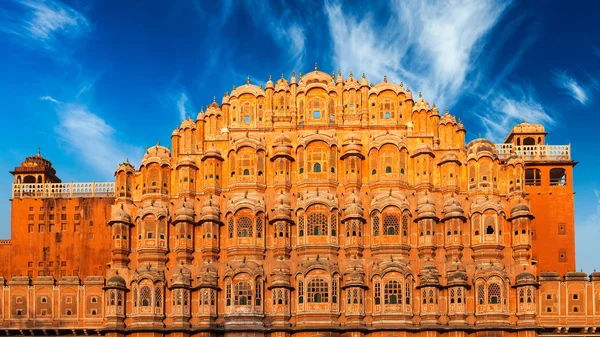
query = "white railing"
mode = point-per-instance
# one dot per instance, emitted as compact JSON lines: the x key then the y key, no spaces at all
{"x":64,"y":190}
{"x":535,"y":152}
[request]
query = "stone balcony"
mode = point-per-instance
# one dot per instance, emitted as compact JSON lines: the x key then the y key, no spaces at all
{"x":535,"y":152}
{"x":64,"y":190}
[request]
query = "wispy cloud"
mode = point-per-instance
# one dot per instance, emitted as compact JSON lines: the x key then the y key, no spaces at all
{"x":46,"y":23}
{"x":509,"y":107}
{"x":571,"y":87}
{"x":91,"y":137}
{"x":431,"y":45}
{"x":183,"y":106}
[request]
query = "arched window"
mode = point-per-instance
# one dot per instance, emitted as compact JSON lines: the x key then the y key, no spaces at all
{"x":390,"y":225}
{"x":318,"y":291}
{"x":158,"y":296}
{"x":301,"y":225}
{"x":529,"y":141}
{"x":317,"y":224}
{"x":300,"y":291}
{"x":242,"y":294}
{"x":494,"y":294}
{"x":230,"y":227}
{"x":317,"y":167}
{"x":392,"y":293}
{"x":533,"y":177}
{"x":112,"y":297}
{"x":246,"y":172}
{"x":405,"y":225}
{"x":244,"y":227}
{"x":489,"y":230}
{"x":388,"y":169}
{"x":145,"y":296}
{"x":480,"y":294}
{"x":558,"y":177}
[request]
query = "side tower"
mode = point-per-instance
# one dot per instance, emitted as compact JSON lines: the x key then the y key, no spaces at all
{"x":549,"y":187}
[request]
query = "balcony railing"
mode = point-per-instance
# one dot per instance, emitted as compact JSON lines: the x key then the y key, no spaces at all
{"x":535,"y":152}
{"x":64,"y":190}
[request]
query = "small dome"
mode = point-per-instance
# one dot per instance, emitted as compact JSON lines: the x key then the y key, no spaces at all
{"x":480,"y":147}
{"x":157,"y":154}
{"x":269,"y":83}
{"x":429,"y":275}
{"x":186,"y":161}
{"x":353,"y":206}
{"x":120,"y":216}
{"x":224,"y":130}
{"x":185,"y":212}
{"x":212,"y":152}
{"x":453,"y":209}
{"x":422,"y":148}
{"x":116,"y":281}
{"x":421,"y":104}
{"x":125,"y":167}
{"x":520,"y":210}
{"x":282,"y":138}
{"x":426,"y":207}
{"x":363,"y":81}
{"x":210,"y":209}
{"x":175,"y":133}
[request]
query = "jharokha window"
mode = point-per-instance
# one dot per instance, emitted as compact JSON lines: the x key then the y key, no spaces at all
{"x":317,"y":224}
{"x":390,"y":225}
{"x":242,"y":294}
{"x":244,"y":228}
{"x":318,"y":291}
{"x":392,"y":293}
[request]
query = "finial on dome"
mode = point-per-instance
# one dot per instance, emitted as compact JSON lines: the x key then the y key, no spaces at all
{"x":401,"y":84}
{"x":127,"y":160}
{"x":282,"y":76}
{"x":248,"y":80}
{"x":300,"y":75}
{"x":39,"y":152}
{"x":270,"y":77}
{"x":260,"y":86}
{"x":522,"y":120}
{"x":350,"y":74}
{"x":434,"y":105}
{"x":225,"y":94}
{"x":233,"y":87}
{"x":385,"y":78}
{"x":215,"y":98}
{"x":339,"y":72}
{"x":333,"y":74}
{"x":316,"y":66}
{"x":364,"y":76}
{"x":158,"y":143}
{"x":293,"y":73}
{"x":420,"y":95}
{"x":370,"y":84}
{"x":447,"y":112}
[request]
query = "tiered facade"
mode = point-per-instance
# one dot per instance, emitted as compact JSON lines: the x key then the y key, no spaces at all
{"x":318,"y":206}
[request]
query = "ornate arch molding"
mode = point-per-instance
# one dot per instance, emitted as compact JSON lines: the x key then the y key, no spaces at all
{"x":309,"y":265}
{"x":379,"y":140}
{"x":240,"y":201}
{"x":390,"y":199}
{"x":305,"y":200}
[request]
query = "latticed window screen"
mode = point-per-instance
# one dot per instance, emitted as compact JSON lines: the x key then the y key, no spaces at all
{"x":452,"y":298}
{"x":186,"y":297}
{"x":407,"y":291}
{"x":390,"y":225}
{"x":230,"y":227}
{"x":135,"y":297}
{"x":377,"y":293}
{"x":228,"y":293}
{"x":258,"y":293}
{"x":521,"y":295}
{"x":301,"y":225}
{"x":459,"y":295}
{"x":242,"y":294}
{"x":300,"y":291}
{"x":494,"y":293}
{"x":317,"y":224}
{"x":158,"y":296}
{"x":333,"y":224}
{"x":480,"y":294}
{"x":334,"y":290}
{"x":244,"y":228}
{"x":530,"y":296}
{"x":432,"y":297}
{"x":145,"y":296}
{"x":259,"y":226}
{"x":405,"y":225}
{"x":119,"y":298}
{"x":392,"y":292}
{"x":205,"y":297}
{"x":318,"y":291}
{"x":177,"y":298}
{"x":375,"y":220}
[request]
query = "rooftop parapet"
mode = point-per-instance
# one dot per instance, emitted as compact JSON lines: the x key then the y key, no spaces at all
{"x":64,"y":190}
{"x":535,"y":152}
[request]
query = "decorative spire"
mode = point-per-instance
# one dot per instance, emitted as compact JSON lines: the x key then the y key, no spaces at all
{"x":385,"y":78}
{"x":401,"y":84}
{"x":225,"y":94}
{"x":270,"y":77}
{"x":293,"y":73}
{"x":522,"y":120}
{"x":232,"y":88}
{"x":316,"y":66}
{"x":214,"y":99}
{"x":300,"y":75}
{"x":363,"y":75}
{"x":282,"y":76}
{"x":339,"y":72}
{"x":260,"y":86}
{"x":447,"y":112}
{"x":248,"y":80}
{"x":420,"y":95}
{"x":350,"y":74}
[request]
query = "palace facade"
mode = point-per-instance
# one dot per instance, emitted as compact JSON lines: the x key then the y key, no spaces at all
{"x":315,"y":206}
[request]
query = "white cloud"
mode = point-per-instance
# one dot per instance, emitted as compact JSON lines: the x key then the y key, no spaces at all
{"x":46,"y":23}
{"x":431,"y":45}
{"x":508,"y":108}
{"x":182,"y":106}
{"x":571,"y":87}
{"x":91,"y":138}
{"x":50,"y":99}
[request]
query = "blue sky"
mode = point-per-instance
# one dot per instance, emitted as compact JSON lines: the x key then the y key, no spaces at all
{"x":94,"y":82}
